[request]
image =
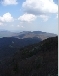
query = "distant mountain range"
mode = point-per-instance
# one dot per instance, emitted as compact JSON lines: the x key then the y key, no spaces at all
{"x":26,"y":34}
{"x":39,"y":59}
{"x":7,"y":34}
{"x":38,"y":34}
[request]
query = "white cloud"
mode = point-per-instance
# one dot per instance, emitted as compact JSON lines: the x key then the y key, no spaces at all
{"x":27,"y":17}
{"x":39,"y":7}
{"x":44,"y":17}
{"x":1,"y":23}
{"x":20,"y":26}
{"x":6,"y":18}
{"x":9,"y":2}
{"x":57,"y":16}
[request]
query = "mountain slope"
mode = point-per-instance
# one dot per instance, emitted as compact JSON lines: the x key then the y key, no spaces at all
{"x":39,"y":59}
{"x":8,"y":46}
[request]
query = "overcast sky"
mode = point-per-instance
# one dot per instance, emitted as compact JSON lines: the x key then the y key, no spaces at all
{"x":29,"y":15}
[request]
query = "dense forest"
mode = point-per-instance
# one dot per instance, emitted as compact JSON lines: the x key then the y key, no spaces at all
{"x":39,"y":59}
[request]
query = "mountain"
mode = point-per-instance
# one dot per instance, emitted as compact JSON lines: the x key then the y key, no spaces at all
{"x":38,"y":34}
{"x":5,"y":33}
{"x":9,"y":45}
{"x":26,"y":34}
{"x":40,"y":59}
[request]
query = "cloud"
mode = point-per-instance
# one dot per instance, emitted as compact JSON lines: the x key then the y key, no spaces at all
{"x":39,"y":7}
{"x":20,"y":26}
{"x":6,"y":18}
{"x":9,"y":2}
{"x":1,"y":23}
{"x":27,"y":17}
{"x":57,"y":16}
{"x":44,"y":17}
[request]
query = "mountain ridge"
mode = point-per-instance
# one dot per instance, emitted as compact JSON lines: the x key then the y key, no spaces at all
{"x":6,"y":33}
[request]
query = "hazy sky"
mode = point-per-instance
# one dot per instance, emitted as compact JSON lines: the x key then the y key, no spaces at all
{"x":29,"y":15}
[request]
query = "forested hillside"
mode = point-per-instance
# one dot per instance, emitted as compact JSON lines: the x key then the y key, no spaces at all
{"x":40,"y":59}
{"x":8,"y":46}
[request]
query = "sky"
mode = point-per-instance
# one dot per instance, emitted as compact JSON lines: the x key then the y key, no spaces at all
{"x":29,"y":15}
